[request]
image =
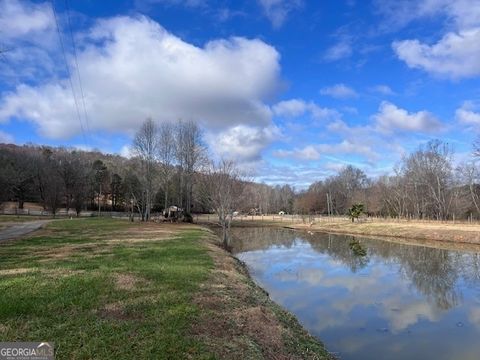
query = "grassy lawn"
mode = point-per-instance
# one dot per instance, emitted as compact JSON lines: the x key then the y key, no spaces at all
{"x":88,"y":287}
{"x":111,"y":289}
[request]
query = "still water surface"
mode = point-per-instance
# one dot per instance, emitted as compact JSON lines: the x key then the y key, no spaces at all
{"x":367,"y":298}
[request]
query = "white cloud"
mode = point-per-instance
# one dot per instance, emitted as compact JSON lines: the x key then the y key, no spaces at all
{"x":309,"y":152}
{"x":20,"y":19}
{"x":339,"y":91}
{"x":5,"y":138}
{"x":146,"y":4}
{"x":316,"y":151}
{"x":382,"y":89}
{"x":468,"y":114}
{"x":391,"y":118}
{"x":462,"y":13}
{"x":457,"y":53}
{"x":277,"y":11}
{"x":28,"y":34}
{"x":242,"y":143}
{"x":291,"y":108}
{"x":465,"y":13}
{"x":126,"y":151}
{"x":132,"y":68}
{"x":341,"y":50}
{"x":299,"y":107}
{"x":300,"y":174}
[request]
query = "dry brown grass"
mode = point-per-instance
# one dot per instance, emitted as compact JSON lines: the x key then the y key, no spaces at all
{"x":17,"y":271}
{"x":458,"y":232}
{"x":127,"y":281}
{"x":117,"y":311}
{"x":445,"y":232}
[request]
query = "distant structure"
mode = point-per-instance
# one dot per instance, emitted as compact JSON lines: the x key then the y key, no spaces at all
{"x":173,"y":213}
{"x":254,"y":211}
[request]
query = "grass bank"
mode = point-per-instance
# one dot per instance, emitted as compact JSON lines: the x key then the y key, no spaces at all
{"x":415,"y":230}
{"x":110,"y":289}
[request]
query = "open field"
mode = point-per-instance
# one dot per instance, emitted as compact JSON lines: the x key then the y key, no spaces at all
{"x":432,"y":231}
{"x":111,"y":289}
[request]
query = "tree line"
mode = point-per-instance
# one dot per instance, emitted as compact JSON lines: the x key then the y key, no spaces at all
{"x":426,"y":184}
{"x":170,"y":165}
{"x":165,"y":159}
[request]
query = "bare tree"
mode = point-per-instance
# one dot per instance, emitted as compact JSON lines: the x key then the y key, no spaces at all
{"x":471,"y":179}
{"x":430,"y":176}
{"x":476,"y":147}
{"x":80,"y":180}
{"x":145,"y":146}
{"x":134,"y":193}
{"x":222,"y":186}
{"x":166,"y":156}
{"x":49,"y":182}
{"x":18,"y":174}
{"x":190,"y":154}
{"x":100,"y":180}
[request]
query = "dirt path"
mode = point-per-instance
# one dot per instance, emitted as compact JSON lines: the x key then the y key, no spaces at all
{"x":19,"y":230}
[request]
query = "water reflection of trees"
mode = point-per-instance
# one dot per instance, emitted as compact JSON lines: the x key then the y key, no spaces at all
{"x":433,"y":272}
{"x":338,"y":248}
{"x":259,"y":238}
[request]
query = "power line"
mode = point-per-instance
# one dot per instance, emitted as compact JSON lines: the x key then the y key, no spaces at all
{"x":67,"y":9}
{"x":3,"y":51}
{"x":68,"y":72}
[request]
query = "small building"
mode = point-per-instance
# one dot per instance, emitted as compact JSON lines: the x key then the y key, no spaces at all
{"x":173,"y":213}
{"x":281,"y":213}
{"x":254,"y":211}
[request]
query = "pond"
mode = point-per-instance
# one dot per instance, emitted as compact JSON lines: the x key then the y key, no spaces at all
{"x":370,"y":298}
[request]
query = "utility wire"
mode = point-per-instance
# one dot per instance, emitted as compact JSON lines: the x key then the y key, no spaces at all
{"x":68,"y":71}
{"x":3,"y":51}
{"x":67,"y":9}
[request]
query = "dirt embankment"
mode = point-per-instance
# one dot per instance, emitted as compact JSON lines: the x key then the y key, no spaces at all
{"x":445,"y":232}
{"x":239,"y":320}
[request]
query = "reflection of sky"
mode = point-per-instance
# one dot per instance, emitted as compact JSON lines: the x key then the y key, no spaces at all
{"x":375,"y":313}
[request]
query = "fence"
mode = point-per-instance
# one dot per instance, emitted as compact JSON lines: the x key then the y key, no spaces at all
{"x":64,"y":213}
{"x":308,"y":219}
{"x":295,"y":219}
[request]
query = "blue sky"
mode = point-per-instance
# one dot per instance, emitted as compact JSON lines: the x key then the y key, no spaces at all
{"x":291,"y":89}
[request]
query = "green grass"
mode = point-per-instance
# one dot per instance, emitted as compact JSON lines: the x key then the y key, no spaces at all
{"x":21,"y":218}
{"x":66,"y":291}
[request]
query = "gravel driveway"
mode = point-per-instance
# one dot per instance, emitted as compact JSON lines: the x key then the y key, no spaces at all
{"x":19,"y":230}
